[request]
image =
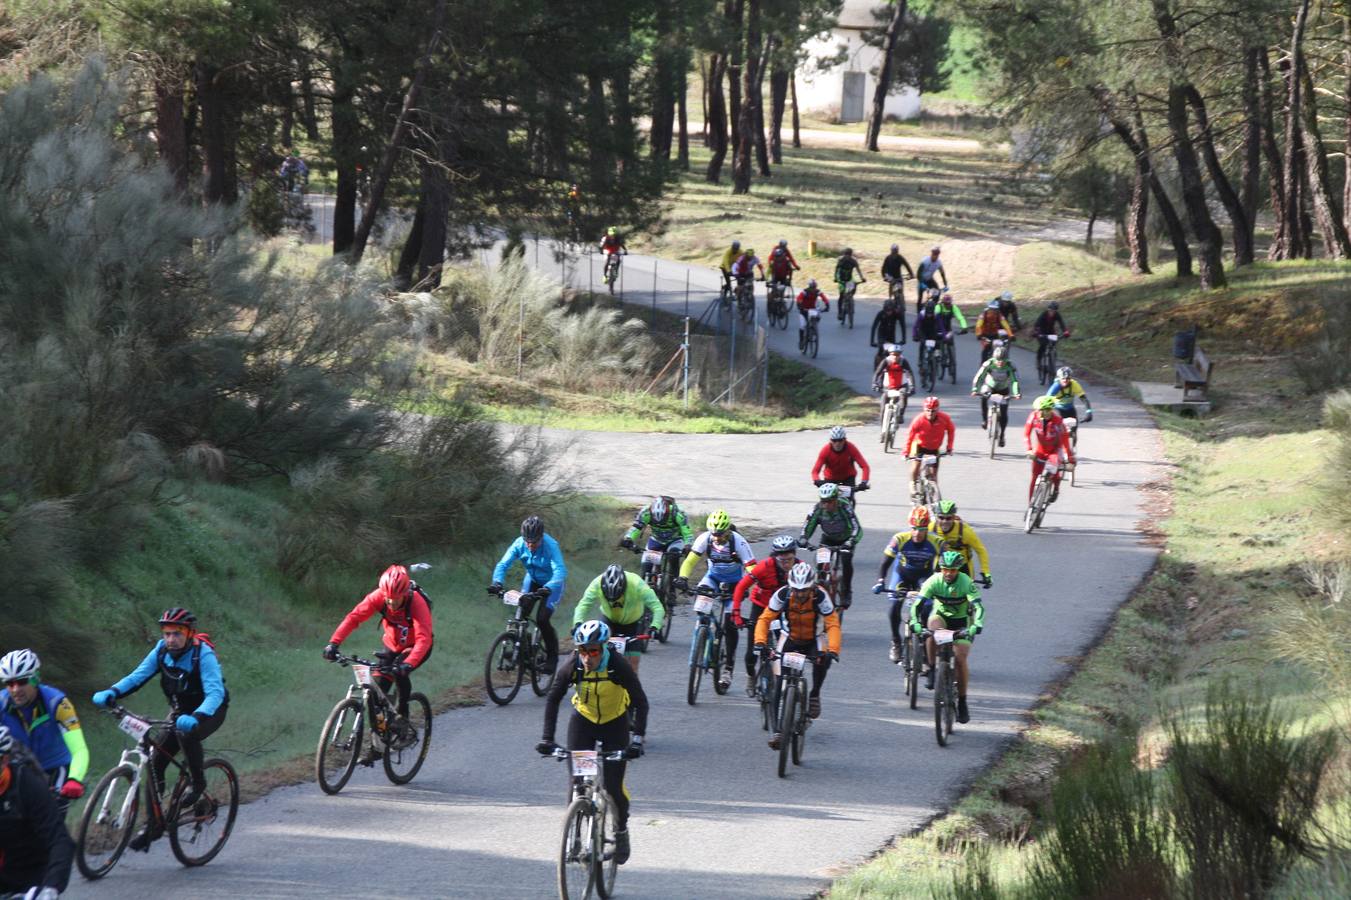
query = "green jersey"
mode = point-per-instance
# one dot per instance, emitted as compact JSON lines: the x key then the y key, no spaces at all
{"x":675,"y":527}
{"x":957,"y":600}
{"x":637,"y":598}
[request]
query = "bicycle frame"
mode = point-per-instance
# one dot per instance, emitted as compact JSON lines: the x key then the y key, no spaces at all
{"x":703,"y":656}
{"x":140,"y":758}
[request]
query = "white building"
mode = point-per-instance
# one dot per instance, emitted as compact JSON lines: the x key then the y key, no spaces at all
{"x":845,"y":92}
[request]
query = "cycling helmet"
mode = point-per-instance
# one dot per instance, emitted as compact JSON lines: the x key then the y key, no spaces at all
{"x":847,"y":251}
{"x":395,"y":582}
{"x":951,"y":559}
{"x":931,"y":403}
{"x":659,"y":509}
{"x":180,"y":616}
{"x":1064,"y":372}
{"x":828,"y":491}
{"x":592,"y":631}
{"x":802,"y":577}
{"x":837,"y":433}
{"x":1007,"y":296}
{"x":532,"y":529}
{"x":947,"y":507}
{"x":1043,"y":403}
{"x":718,"y":520}
{"x":613,"y":582}
{"x":1001,"y":353}
{"x":6,"y":741}
{"x":19,"y":665}
{"x":784,"y":543}
{"x":612,"y":231}
{"x":993,"y":304}
{"x":748,"y":252}
{"x":783,"y":243}
{"x":736,"y":245}
{"x":919,"y":517}
{"x":1054,"y":305}
{"x":935,"y":249}
{"x":811,"y":284}
{"x":895,"y":248}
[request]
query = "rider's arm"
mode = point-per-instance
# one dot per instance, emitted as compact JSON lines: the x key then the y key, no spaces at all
{"x":213,"y":684}
{"x":1027,"y":428}
{"x":772,"y":610}
{"x":888,"y":554}
{"x":831,"y":621}
{"x":956,"y":310}
{"x":912,"y":436}
{"x":368,"y":607}
{"x":139,"y":675}
{"x":979,"y":380}
{"x":562,"y":681}
{"x":590,"y":602}
{"x":1013,"y":386}
{"x":698,"y":547}
{"x":743,"y":550}
{"x":72,"y":734}
{"x":686,"y":533}
{"x":858,"y":458}
{"x":622,"y":674}
{"x":975,"y":543}
{"x":514,"y":552}
{"x":820,"y":462}
{"x":977,"y":619}
{"x":905,"y":365}
{"x":639,"y":523}
{"x":906,"y":265}
{"x":643,"y":591}
{"x":950,"y":429}
{"x":745,"y":584}
{"x":422,"y":631}
{"x":855,"y":529}
{"x":809,"y":526}
{"x":559,"y":569}
{"x":45,"y":820}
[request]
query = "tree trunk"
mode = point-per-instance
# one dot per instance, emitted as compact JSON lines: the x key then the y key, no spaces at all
{"x":432,"y":249}
{"x":211,"y":97}
{"x":778,"y":99}
{"x":705,"y":76}
{"x":621,"y":84}
{"x":1233,"y":205}
{"x":797,"y":122}
{"x":412,"y":247}
{"x":884,"y":73}
{"x":346,"y":141}
{"x":682,"y":88}
{"x":1280,"y":243}
{"x":1208,"y":236}
{"x":734,"y":10}
{"x":597,"y":127}
{"x":1250,"y":181}
{"x":1137,"y":238}
{"x":309,"y":117}
{"x":717,"y":119}
{"x":1136,"y":139}
{"x":1346,"y":122}
{"x":1293,"y":176}
{"x":1330,"y":224}
{"x":1088,"y":238}
{"x":761,"y":143}
{"x":171,"y":134}
{"x":663,"y":85}
{"x":745,"y":132}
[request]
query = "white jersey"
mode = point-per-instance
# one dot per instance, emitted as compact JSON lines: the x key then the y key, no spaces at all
{"x":724,"y":555}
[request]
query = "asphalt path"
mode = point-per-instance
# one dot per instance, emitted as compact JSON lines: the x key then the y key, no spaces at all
{"x":710,"y":816}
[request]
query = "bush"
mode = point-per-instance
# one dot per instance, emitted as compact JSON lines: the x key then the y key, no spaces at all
{"x":1324,"y":362}
{"x":1337,"y":497}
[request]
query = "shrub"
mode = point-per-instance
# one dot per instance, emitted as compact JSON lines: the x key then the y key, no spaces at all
{"x":1324,"y":362}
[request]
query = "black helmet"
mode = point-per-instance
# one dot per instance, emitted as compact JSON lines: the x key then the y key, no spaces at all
{"x":532,"y":529}
{"x":613,"y":582}
{"x":178,"y":616}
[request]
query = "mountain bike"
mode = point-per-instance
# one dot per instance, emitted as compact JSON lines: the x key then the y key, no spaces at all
{"x":927,"y":492}
{"x":945,"y":682}
{"x":403,"y":742}
{"x":896,"y":290}
{"x":776,"y":303}
{"x":766,"y":688}
{"x":196,"y":834}
{"x":516,"y":652}
{"x":1042,"y":492}
{"x":745,"y":299}
{"x":988,"y":345}
{"x":912,"y":649}
{"x":830,"y":570}
{"x":893,"y":414}
{"x":611,"y":275}
{"x":1072,"y":423}
{"x":586,"y":855}
{"x":928,"y":364}
{"x":659,"y":569}
{"x":947,"y":361}
{"x":706,"y":649}
{"x":793,"y":719}
{"x":1046,"y":366}
{"x":811,"y":340}
{"x":845,"y":310}
{"x":997,"y":403}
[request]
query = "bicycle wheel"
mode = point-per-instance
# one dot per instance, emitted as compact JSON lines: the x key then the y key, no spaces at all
{"x":717,"y":663}
{"x":800,"y":731}
{"x":787,"y":714}
{"x":542,"y":670}
{"x":814,"y":341}
{"x":950,"y":708}
{"x":406,"y":752}
{"x":768,"y":687}
{"x":916,"y":664}
{"x":339,"y":745}
{"x":850,"y":313}
{"x":698,"y":649}
{"x":502,"y":670}
{"x":992,"y":428}
{"x":951,"y":356}
{"x":664,"y":633}
{"x":196,"y":835}
{"x":941,"y":700}
{"x":607,"y":865}
{"x":577,"y":854}
{"x":106,"y":826}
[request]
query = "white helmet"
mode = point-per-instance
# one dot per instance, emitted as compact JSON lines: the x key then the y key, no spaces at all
{"x":19,"y":665}
{"x":613,"y":582}
{"x":659,"y":508}
{"x":837,"y":433}
{"x":828,"y":491}
{"x":784,"y":543}
{"x":802,"y":577}
{"x":6,"y":742}
{"x":593,"y":631}
{"x":1007,"y":296}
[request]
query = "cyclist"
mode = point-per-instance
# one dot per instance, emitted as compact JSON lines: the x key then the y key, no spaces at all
{"x":988,"y":326}
{"x":42,"y":717}
{"x":807,"y":301}
{"x":1051,"y":438}
{"x":762,"y":580}
{"x":669,"y":524}
{"x":889,"y":321}
{"x":928,"y":327}
{"x":1064,"y":391}
{"x":729,"y":256}
{"x":728,"y":557}
{"x":406,"y":620}
{"x":955,"y":605}
{"x":907,"y":562}
{"x":1009,"y":310}
{"x":605,"y":686}
{"x":613,"y":242}
{"x":35,"y":849}
{"x":545,"y":574}
{"x":1047,"y":323}
{"x":891,"y":271}
{"x":782,"y":265}
{"x":927,"y":273}
{"x":835,"y":462}
{"x":626,"y":599}
{"x":949,"y":315}
{"x":893,"y":373}
{"x":191,"y":679}
{"x":951,"y":532}
{"x":997,"y":375}
{"x":805,"y":609}
{"x":839,"y":528}
{"x":846,"y":267}
{"x":743,"y":270}
{"x":925,"y":438}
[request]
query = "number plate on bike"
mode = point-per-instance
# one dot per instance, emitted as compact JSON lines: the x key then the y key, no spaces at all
{"x":619,"y":643}
{"x":651,"y":557}
{"x":704,"y":606}
{"x":1052,"y":338}
{"x":794,"y":660}
{"x":943,"y":636}
{"x":362,"y":674}
{"x":584,"y":762}
{"x":893,"y":394}
{"x":133,"y":726}
{"x":930,"y":460}
{"x":930,"y":343}
{"x":1052,"y":464}
{"x":822,"y":556}
{"x":512,"y":598}
{"x":1071,"y":422}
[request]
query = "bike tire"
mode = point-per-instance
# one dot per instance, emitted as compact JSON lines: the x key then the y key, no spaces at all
{"x":785,"y":729}
{"x":697,"y":652}
{"x":607,"y":867}
{"x":941,"y":700}
{"x":799,"y":742}
{"x":664,"y":633}
{"x":500,"y":680}
{"x":950,"y":710}
{"x":851,"y":313}
{"x":577,"y":851}
{"x":338,"y":749}
{"x":814,"y":342}
{"x":116,"y":789}
{"x":767,"y":686}
{"x":541,"y":671}
{"x":401,"y":766}
{"x":916,"y":665}
{"x":992,"y":426}
{"x":194,"y":839}
{"x":719,"y":648}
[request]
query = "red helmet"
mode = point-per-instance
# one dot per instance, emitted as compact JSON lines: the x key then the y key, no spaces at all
{"x":177,"y":615}
{"x":931,"y":403}
{"x":395,"y":582}
{"x":919,"y":517}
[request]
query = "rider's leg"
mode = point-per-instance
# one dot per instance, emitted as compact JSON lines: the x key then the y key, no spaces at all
{"x":613,"y":735}
{"x":914,"y":470}
{"x":894,"y":617}
{"x":543,"y":615}
{"x":801,"y":327}
{"x":1038,"y":463}
{"x":984,"y":408}
{"x":731,"y":637}
{"x":1003,"y":418}
{"x":847,"y":573}
{"x":192,"y":745}
{"x":1041,"y":348}
{"x":751,"y":659}
{"x":931,"y":649}
{"x":962,"y":651}
{"x":820,"y":666}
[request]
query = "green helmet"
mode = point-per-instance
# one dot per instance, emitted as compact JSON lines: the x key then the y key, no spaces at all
{"x":951,"y":559}
{"x":947,"y":507}
{"x":1043,"y":403}
{"x":718,"y":520}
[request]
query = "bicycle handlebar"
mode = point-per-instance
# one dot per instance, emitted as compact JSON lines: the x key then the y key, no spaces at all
{"x":612,"y":756}
{"x":345,"y":661}
{"x":121,"y":711}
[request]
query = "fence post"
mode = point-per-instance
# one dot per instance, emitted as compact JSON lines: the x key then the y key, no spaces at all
{"x":687,"y":292}
{"x":731,"y":362}
{"x":686,"y":366}
{"x":764,"y":382}
{"x":654,"y":289}
{"x":520,"y":336}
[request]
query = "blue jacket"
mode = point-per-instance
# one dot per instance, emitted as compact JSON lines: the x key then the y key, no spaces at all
{"x":43,"y":733}
{"x":213,"y":683}
{"x":544,"y":566}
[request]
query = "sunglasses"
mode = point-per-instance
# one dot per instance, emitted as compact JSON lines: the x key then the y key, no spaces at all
{"x":17,"y":682}
{"x":590,"y":651}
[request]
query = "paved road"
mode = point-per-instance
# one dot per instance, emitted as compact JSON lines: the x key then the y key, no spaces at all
{"x":711,"y":819}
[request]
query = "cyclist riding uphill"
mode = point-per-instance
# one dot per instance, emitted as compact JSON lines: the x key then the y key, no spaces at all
{"x":42,"y":717}
{"x":1046,"y":435}
{"x":190,"y":677}
{"x":810,"y":304}
{"x":846,"y":267}
{"x":729,"y":256}
{"x":35,"y":848}
{"x":988,"y":328}
{"x":893,"y":373}
{"x":811,"y":626}
{"x":762,"y":580}
{"x":835,"y":462}
{"x":729,"y":556}
{"x":839,"y":528}
{"x":612,"y":243}
{"x":949,"y":316}
{"x":891,"y":272}
{"x":997,"y":375}
{"x":925,"y":438}
{"x":929,"y":327}
{"x":782,"y":265}
{"x":605,"y":686}
{"x":745,"y":266}
{"x":669,"y":525}
{"x":1009,"y":310}
{"x":953,"y":533}
{"x":953,"y":603}
{"x":907,"y":562}
{"x":1064,"y":391}
{"x":621,"y":598}
{"x":1048,"y":322}
{"x":890,"y":320}
{"x":542,"y":558}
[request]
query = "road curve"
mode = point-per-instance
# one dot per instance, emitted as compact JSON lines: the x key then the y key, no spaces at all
{"x":710,"y":817}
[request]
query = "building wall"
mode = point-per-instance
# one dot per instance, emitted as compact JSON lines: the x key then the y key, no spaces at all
{"x":823,"y":92}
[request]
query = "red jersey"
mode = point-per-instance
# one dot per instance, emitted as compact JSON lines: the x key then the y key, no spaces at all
{"x":833,"y":466}
{"x":781,"y":263}
{"x":929,"y":435}
{"x":895,"y":375}
{"x":762,"y":580}
{"x":409,"y":628}
{"x":1051,"y":434}
{"x":807,"y":302}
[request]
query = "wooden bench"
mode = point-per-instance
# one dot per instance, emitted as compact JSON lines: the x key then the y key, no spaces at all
{"x":1193,"y":376}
